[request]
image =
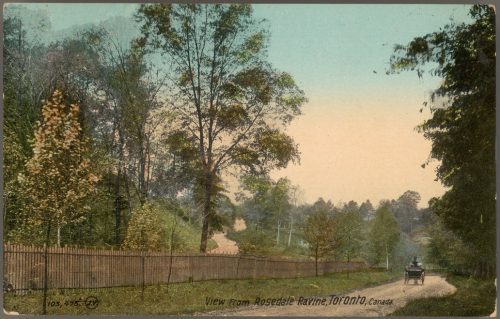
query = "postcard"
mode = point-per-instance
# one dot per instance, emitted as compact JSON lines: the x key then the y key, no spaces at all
{"x":249,"y":159}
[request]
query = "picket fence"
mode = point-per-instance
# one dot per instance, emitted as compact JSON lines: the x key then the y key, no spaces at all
{"x":73,"y":268}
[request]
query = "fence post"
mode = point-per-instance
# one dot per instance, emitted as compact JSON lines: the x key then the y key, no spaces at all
{"x":238,"y":266}
{"x":142,"y":263}
{"x":61,"y":264}
{"x":254,"y":267}
{"x":46,"y":277}
{"x":143,"y":270}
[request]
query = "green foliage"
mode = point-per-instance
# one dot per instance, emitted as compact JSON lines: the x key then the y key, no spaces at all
{"x":269,"y":201}
{"x":98,"y":228}
{"x":146,"y":230}
{"x":227,"y":98}
{"x":366,"y":209}
{"x":176,"y":214}
{"x":320,"y":233}
{"x":474,"y":297}
{"x":189,"y":298}
{"x":349,"y":233}
{"x":406,"y":211}
{"x":383,"y":235}
{"x":462,"y":127}
{"x":58,"y":181}
{"x":21,"y":103}
{"x":447,"y":250}
{"x":255,"y":242}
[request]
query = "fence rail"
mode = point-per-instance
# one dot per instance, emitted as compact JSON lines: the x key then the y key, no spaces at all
{"x":69,"y":268}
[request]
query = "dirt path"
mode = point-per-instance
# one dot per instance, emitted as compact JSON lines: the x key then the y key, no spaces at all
{"x":239,"y":224}
{"x":225,"y":245}
{"x":395,"y":294}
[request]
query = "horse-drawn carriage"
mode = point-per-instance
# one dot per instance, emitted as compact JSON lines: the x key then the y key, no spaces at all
{"x":415,"y":271}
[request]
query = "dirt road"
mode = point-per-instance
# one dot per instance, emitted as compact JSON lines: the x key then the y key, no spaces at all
{"x":389,"y":297}
{"x":225,"y":245}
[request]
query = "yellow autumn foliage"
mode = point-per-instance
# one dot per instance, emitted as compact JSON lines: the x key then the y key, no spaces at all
{"x":58,"y":180}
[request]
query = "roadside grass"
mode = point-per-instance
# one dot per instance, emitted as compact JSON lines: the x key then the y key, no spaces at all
{"x":188,"y":298}
{"x":474,"y":297}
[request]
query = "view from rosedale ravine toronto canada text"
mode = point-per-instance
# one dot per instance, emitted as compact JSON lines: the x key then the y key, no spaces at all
{"x":249,"y":159}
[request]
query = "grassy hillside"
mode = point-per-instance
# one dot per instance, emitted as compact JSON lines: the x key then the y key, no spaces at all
{"x":264,"y":244}
{"x":187,"y":236}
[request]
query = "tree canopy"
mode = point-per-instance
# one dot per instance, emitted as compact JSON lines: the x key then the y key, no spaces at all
{"x":58,"y":180}
{"x":462,"y":126}
{"x":319,"y":232}
{"x":383,"y":235}
{"x":229,"y":101}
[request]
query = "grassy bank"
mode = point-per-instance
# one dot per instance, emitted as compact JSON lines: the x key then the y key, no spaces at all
{"x":251,"y":242}
{"x":187,"y":298}
{"x":474,"y":297}
{"x":187,"y":235}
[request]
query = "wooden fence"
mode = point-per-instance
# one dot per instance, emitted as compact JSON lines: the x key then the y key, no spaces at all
{"x":69,"y":268}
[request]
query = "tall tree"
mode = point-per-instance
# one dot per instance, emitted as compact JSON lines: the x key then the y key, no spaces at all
{"x":349,"y":232}
{"x":405,"y":210}
{"x":279,"y":202}
{"x":351,"y":206}
{"x":295,"y":194}
{"x":130,"y":119}
{"x":319,"y":232}
{"x":231,"y":104}
{"x":269,"y":203}
{"x":462,"y":127}
{"x":23,"y":88}
{"x":383,"y":235}
{"x":366,"y":209}
{"x":58,"y":179}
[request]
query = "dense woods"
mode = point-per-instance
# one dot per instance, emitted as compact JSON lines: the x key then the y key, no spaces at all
{"x":462,"y":131}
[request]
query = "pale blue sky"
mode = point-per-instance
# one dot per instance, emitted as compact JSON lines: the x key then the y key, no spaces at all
{"x":337,"y":47}
{"x":344,"y":42}
{"x":357,"y":134}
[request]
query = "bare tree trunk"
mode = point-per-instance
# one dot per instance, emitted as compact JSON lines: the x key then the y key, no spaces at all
{"x":46,"y":264}
{"x":149,"y":166}
{"x":58,"y":236}
{"x":171,"y":252}
{"x":142,"y":264}
{"x":129,"y":198}
{"x":118,"y":215}
{"x":207,"y":210}
{"x":19,"y":82}
{"x":206,"y":219}
{"x":278,"y":236}
{"x":143,"y":193}
{"x":91,"y":227}
{"x":386,"y":258}
{"x":290,"y":233}
{"x":348,"y":260}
